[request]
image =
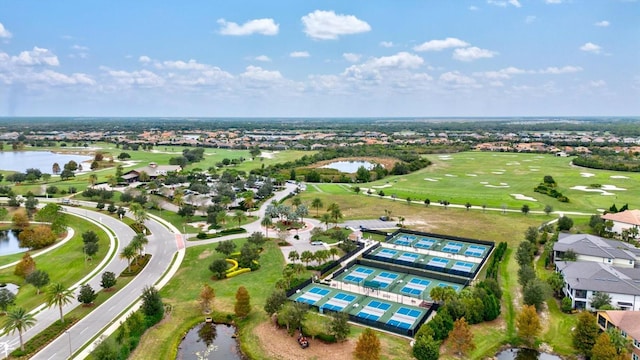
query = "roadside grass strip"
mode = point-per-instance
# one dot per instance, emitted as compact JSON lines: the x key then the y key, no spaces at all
{"x":438,"y":262}
{"x":452,"y":247}
{"x":404,"y":318}
{"x":475,"y":250}
{"x":312,"y":296}
{"x":339,"y":302}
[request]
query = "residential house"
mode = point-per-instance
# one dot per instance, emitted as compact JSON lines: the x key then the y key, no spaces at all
{"x":153,"y":170}
{"x":626,"y":220}
{"x":593,"y":248}
{"x":584,"y":278}
{"x":627,"y":322}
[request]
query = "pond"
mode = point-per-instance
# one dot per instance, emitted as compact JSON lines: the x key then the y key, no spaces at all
{"x":525,"y":354}
{"x":210,"y":341}
{"x":349,"y":166}
{"x":9,"y":243}
{"x":42,"y":160}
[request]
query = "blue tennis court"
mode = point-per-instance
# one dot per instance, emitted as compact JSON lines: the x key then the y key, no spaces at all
{"x":387,"y":253}
{"x":313,"y":295}
{"x":439,"y":262}
{"x":409,"y":312}
{"x":462,"y":266}
{"x":365,"y":315}
{"x":404,"y":318}
{"x":402,"y":241}
{"x":339,"y":302}
{"x":424,"y":243}
{"x":410,"y":257}
{"x":319,"y":291}
{"x":353,"y":278}
{"x":475,"y":250}
{"x":363,"y":270}
{"x":378,"y":305}
{"x":385,"y":278}
{"x":452,"y":247}
{"x":415,"y":287}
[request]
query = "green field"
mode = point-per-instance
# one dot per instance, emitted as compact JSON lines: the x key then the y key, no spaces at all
{"x":490,"y":178}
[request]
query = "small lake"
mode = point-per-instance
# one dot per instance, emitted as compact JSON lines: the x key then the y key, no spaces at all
{"x":525,"y":354}
{"x":349,"y":166}
{"x":9,"y":243}
{"x":42,"y":160}
{"x":210,"y":341}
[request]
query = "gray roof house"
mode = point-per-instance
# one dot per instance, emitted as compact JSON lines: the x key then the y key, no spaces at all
{"x":596,"y":249}
{"x":153,"y":170}
{"x":584,"y":278}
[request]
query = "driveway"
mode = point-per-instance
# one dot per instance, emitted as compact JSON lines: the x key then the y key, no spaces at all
{"x":370,"y":224}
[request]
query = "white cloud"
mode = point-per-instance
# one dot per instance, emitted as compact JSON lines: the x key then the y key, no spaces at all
{"x":142,"y":78}
{"x":456,"y":79}
{"x":473,"y":8}
{"x":53,"y":78}
{"x":257,"y":26}
{"x":472,"y":53}
{"x":37,"y":56}
{"x":553,"y":1}
{"x":351,"y":57}
{"x":372,"y":70}
{"x":502,"y":3}
{"x":591,"y":47}
{"x":260,"y":74}
{"x":505,"y":73}
{"x":401,"y":60}
{"x":80,"y":48}
{"x":530,"y":19}
{"x":299,"y":54}
{"x":182,"y":65}
{"x":263,"y":58}
{"x":438,"y":45}
{"x":4,"y":33}
{"x":144,"y":59}
{"x":563,"y":70}
{"x":603,"y":23}
{"x":327,"y":25}
{"x":386,"y":44}
{"x":597,"y":83}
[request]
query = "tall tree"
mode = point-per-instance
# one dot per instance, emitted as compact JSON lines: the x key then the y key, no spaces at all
{"x":19,"y":320}
{"x":316,"y":203}
{"x":585,"y":333}
{"x":239,"y":216}
{"x":58,"y":295}
{"x":7,"y":298}
{"x":603,"y":349}
{"x":152,"y":305}
{"x":339,"y":326}
{"x":38,"y":278}
{"x":108,"y":280}
{"x":207,"y":294}
{"x":86,"y":295}
{"x":275,"y":301}
{"x":368,"y":346}
{"x":335,"y":212}
{"x":128,"y":253}
{"x":266,"y":222}
{"x":461,"y":337}
{"x":426,"y":348}
{"x":26,"y":266}
{"x":243,"y":302}
{"x":528,"y":324}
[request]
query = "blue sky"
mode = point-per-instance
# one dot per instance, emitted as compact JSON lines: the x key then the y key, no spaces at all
{"x":320,"y":58}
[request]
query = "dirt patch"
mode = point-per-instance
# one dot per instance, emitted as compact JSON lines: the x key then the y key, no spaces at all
{"x":277,"y":344}
{"x":205,"y":254}
{"x":387,"y":162}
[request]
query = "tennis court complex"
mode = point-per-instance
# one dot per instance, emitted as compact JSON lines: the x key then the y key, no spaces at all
{"x":444,"y":245}
{"x":413,"y":259}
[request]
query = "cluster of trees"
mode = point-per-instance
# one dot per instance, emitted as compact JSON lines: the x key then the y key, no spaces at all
{"x":189,"y":156}
{"x":534,"y":289}
{"x":548,"y":186}
{"x":247,"y":257}
{"x":30,"y":175}
{"x":610,"y":161}
{"x":134,"y":250}
{"x":596,"y":345}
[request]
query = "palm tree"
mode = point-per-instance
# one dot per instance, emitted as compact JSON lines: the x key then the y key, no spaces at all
{"x":128,"y":253}
{"x":266,"y":222}
{"x":336,"y":213}
{"x":139,"y":214}
{"x":317,"y":204}
{"x":221,"y":218}
{"x":58,"y":295}
{"x":333,"y":251}
{"x":293,"y":256}
{"x":18,"y":319}
{"x":296,"y":201}
{"x":138,"y":242}
{"x":326,"y":218}
{"x":239,"y":216}
{"x":249,"y":203}
{"x":93,"y":178}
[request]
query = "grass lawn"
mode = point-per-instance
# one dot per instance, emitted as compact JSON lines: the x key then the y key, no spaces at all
{"x":70,"y":254}
{"x":461,"y":177}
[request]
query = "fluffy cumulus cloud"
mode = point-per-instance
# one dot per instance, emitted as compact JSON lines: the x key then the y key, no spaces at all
{"x":472,"y":53}
{"x":256,"y":26}
{"x":502,"y":3}
{"x":553,"y":1}
{"x":263,"y":58}
{"x":144,"y":59}
{"x":603,"y":23}
{"x":502,"y":74}
{"x":327,"y":25}
{"x":562,"y":70}
{"x":260,"y":74}
{"x":37,"y":56}
{"x":591,"y":47}
{"x":299,"y":54}
{"x":142,"y":78}
{"x":182,"y":65}
{"x":386,"y":44}
{"x":373,"y":70}
{"x":351,"y":57}
{"x":438,"y":45}
{"x":4,"y":33}
{"x":457,"y":80}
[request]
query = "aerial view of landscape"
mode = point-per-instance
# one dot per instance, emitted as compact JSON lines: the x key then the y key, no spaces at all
{"x":320,"y":179}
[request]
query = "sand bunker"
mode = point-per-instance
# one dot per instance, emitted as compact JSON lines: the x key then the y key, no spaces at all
{"x":513,"y":163}
{"x":484,"y":182}
{"x":445,"y":157}
{"x":472,"y":174}
{"x":587,"y":175}
{"x":450,"y":175}
{"x":604,"y":190}
{"x":497,"y":172}
{"x":503,"y":184}
{"x":497,"y":186}
{"x":523,"y":197}
{"x":618,"y":177}
{"x":381,"y":186}
{"x":268,"y":154}
{"x":430,"y":179}
{"x":534,"y":169}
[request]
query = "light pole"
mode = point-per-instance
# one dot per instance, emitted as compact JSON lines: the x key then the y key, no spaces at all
{"x":69,"y":334}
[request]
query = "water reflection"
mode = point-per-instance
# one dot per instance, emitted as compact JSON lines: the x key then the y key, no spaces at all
{"x":9,"y":243}
{"x":525,"y":354}
{"x":210,"y":341}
